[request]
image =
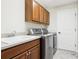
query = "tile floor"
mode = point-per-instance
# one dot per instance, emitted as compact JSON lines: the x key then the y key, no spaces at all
{"x":63,"y":54}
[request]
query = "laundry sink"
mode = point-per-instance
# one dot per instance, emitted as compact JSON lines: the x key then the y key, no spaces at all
{"x":15,"y":39}
{"x":3,"y":44}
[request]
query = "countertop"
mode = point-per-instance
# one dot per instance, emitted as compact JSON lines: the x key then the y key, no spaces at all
{"x":16,"y":40}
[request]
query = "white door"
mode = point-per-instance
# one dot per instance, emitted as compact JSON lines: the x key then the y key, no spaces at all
{"x":66,"y":29}
{"x":76,"y":29}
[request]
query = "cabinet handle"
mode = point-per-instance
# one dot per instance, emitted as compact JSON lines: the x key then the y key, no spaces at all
{"x":27,"y":54}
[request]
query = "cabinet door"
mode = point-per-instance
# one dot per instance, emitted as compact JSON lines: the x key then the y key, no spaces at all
{"x":36,"y":13}
{"x":28,"y":9}
{"x":22,"y":56}
{"x":46,"y":17}
{"x":35,"y":52}
{"x":41,"y":14}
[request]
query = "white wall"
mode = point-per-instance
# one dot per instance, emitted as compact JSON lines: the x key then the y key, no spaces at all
{"x":54,"y":26}
{"x":53,"y":21}
{"x":66,"y":25}
{"x":13,"y":17}
{"x":53,"y":16}
{"x":33,"y":25}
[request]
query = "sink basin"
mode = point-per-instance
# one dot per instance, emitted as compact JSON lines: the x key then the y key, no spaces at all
{"x":3,"y":44}
{"x":15,"y":39}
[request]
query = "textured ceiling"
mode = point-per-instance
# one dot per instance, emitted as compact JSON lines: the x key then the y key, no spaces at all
{"x":55,"y":3}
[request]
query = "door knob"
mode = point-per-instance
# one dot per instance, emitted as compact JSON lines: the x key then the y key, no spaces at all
{"x":59,"y":32}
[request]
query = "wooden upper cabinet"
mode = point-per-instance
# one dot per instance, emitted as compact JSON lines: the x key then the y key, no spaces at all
{"x":28,"y":9}
{"x":36,"y":13}
{"x":46,"y":17}
{"x":41,"y":14}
